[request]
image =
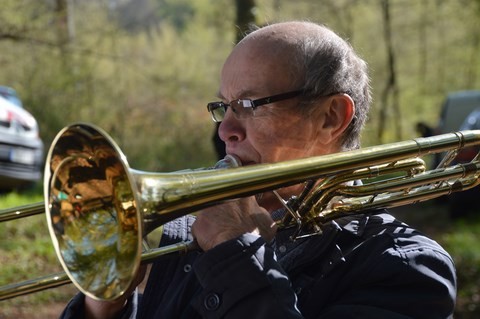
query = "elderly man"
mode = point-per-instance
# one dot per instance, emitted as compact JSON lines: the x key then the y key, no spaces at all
{"x":290,"y":90}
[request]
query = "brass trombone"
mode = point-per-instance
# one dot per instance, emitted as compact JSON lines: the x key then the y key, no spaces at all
{"x":99,"y":209}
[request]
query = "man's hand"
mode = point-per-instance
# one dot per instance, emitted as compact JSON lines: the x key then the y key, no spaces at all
{"x":217,"y":224}
{"x":110,"y":309}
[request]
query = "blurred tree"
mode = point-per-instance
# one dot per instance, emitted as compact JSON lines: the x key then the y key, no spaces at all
{"x":178,"y":13}
{"x":435,"y":46}
{"x":137,"y":16}
{"x":64,"y":22}
{"x":390,"y":94}
{"x":145,"y":77}
{"x":473,"y":60}
{"x":148,"y":15}
{"x":245,"y":19}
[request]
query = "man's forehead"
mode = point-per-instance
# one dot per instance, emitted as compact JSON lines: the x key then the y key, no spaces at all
{"x":239,"y":93}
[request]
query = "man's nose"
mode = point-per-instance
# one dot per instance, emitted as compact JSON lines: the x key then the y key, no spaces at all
{"x":231,"y":129}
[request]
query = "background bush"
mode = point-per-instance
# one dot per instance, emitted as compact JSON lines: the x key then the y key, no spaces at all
{"x":143,"y":70}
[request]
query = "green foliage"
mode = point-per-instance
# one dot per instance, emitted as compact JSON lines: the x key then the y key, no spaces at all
{"x":148,"y":88}
{"x":462,"y":242}
{"x":435,"y":45}
{"x":145,"y":70}
{"x":18,"y":199}
{"x":178,"y":13}
{"x":26,"y":252}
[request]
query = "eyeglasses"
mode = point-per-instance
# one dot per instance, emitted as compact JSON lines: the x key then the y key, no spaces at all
{"x":243,"y":108}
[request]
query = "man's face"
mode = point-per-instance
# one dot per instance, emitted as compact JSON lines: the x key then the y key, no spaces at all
{"x":277,"y":131}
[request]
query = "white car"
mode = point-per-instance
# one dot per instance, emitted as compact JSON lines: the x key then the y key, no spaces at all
{"x":21,"y":149}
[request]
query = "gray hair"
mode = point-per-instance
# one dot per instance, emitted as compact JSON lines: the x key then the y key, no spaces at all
{"x":331,"y":66}
{"x":322,"y":63}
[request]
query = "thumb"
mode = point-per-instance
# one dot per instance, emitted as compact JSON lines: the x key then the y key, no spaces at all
{"x":265,"y":225}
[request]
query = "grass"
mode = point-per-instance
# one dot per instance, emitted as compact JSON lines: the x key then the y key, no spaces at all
{"x":26,"y":252}
{"x":463,"y":243}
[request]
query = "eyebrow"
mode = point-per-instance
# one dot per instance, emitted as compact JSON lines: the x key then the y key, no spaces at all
{"x":243,"y":95}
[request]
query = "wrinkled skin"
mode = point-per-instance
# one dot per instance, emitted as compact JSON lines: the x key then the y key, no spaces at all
{"x":277,"y":132}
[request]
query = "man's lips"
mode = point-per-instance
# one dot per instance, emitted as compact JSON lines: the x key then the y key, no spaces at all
{"x":243,"y":160}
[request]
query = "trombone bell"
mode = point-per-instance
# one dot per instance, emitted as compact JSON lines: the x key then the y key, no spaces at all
{"x":91,"y":209}
{"x":98,"y":209}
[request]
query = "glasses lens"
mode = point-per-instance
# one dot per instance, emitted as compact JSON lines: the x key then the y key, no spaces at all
{"x":217,"y":110}
{"x":240,"y":108}
{"x":218,"y":114}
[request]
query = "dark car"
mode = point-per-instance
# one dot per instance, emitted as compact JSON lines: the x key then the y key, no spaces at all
{"x":21,"y":149}
{"x":460,"y":111}
{"x":463,"y":203}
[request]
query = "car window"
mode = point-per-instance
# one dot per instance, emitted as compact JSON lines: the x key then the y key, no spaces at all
{"x":472,"y":121}
{"x":456,"y":108}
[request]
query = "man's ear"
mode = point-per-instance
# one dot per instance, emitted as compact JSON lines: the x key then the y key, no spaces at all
{"x":338,"y":113}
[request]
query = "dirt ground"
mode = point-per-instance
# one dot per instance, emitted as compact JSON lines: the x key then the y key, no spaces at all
{"x":48,"y":310}
{"x":40,"y":305}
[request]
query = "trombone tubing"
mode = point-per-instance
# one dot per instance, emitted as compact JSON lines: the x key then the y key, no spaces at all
{"x":21,"y":211}
{"x":61,"y":278}
{"x":250,"y":180}
{"x":271,"y":176}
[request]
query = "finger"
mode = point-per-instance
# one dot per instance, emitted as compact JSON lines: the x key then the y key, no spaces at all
{"x":265,"y":225}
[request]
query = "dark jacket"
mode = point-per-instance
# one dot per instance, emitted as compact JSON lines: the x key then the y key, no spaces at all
{"x":365,"y":266}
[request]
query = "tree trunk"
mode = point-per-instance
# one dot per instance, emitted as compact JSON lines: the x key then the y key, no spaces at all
{"x":245,"y":17}
{"x":391,"y":88}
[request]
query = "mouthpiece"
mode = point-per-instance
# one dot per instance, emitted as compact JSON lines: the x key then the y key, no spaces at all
{"x":229,"y":161}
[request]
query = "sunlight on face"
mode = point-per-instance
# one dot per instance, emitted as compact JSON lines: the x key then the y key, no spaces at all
{"x":277,"y":131}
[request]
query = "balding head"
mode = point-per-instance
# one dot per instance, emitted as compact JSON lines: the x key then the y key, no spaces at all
{"x":289,"y":32}
{"x":316,"y":59}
